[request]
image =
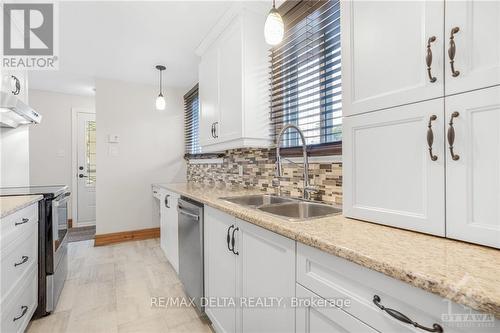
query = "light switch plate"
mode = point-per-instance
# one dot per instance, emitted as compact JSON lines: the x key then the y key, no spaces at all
{"x":113,"y":138}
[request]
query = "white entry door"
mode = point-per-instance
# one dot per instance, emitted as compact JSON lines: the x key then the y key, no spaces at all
{"x":86,"y":168}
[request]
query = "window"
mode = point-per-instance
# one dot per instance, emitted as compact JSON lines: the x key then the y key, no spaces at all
{"x":306,"y":84}
{"x":192,"y":122}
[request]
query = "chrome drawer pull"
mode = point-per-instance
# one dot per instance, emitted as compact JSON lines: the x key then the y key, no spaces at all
{"x":24,"y":309}
{"x":401,"y":317}
{"x":23,"y":221}
{"x":23,"y":260}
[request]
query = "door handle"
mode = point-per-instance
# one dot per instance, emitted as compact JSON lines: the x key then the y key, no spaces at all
{"x":233,"y":241}
{"x":82,"y":176}
{"x":403,"y":318}
{"x":451,"y":136}
{"x":183,"y":212}
{"x":17,"y":85}
{"x":213,"y":130}
{"x":216,"y":129}
{"x":428,"y":59}
{"x":24,"y":309}
{"x":452,"y":51}
{"x":23,"y":221}
{"x":166,"y":200}
{"x":228,"y":238}
{"x":430,"y":137}
{"x":23,"y":260}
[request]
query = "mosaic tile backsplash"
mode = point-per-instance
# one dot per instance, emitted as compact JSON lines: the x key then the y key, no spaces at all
{"x":259,"y":172}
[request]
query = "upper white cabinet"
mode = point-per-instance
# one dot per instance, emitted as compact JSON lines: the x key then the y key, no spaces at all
{"x":472,"y":37}
{"x":243,"y":262}
{"x":233,"y":82}
{"x":385,"y":46}
{"x":390,"y":176}
{"x":473,"y":171}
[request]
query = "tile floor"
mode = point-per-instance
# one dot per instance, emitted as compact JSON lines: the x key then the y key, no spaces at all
{"x":109,"y":289}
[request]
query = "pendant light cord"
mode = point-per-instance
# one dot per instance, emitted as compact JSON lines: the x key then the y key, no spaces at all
{"x":161,"y":88}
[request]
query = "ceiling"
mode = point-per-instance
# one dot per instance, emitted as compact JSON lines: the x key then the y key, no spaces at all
{"x":125,"y":40}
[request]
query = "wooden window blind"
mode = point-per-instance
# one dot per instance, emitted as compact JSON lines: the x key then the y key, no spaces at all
{"x":192,"y":122}
{"x":306,"y":85}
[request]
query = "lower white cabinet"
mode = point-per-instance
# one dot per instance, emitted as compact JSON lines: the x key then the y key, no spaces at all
{"x":389,"y":174}
{"x":18,"y":269}
{"x":169,"y":241}
{"x":245,"y":264}
{"x":331,"y":277}
{"x":473,"y":174}
{"x":315,"y":317}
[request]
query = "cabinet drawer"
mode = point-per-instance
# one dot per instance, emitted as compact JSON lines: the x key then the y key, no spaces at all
{"x":16,"y":261}
{"x":314,"y":319}
{"x":17,"y":224}
{"x":18,"y":309}
{"x":333,"y":277}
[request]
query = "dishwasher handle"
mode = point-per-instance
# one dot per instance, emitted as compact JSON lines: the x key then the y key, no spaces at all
{"x":191,"y":215}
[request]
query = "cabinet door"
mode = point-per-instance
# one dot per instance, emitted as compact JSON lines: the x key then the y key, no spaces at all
{"x":230,"y":74}
{"x":266,"y":271}
{"x":209,"y":96}
{"x":473,"y":176}
{"x":220,"y":270}
{"x":316,"y":319}
{"x":171,"y":230}
{"x":477,"y":45}
{"x":384,"y":48}
{"x":389,"y":175}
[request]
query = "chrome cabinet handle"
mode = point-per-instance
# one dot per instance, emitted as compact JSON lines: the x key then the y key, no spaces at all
{"x":23,"y":260}
{"x":24,"y":309}
{"x":428,"y":59}
{"x":451,"y":136}
{"x":233,"y":241}
{"x":452,"y":52}
{"x":23,"y":221}
{"x":228,"y":238}
{"x":183,"y":212}
{"x":401,"y":317}
{"x":17,"y":85}
{"x":430,"y":137}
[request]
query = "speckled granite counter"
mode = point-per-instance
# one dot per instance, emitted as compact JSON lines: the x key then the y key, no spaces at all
{"x":465,"y":273}
{"x":12,"y":204}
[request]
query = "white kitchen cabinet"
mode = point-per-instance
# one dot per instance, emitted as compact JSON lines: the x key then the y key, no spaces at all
{"x":384,"y":49}
{"x":169,"y":227}
{"x":261,"y":264}
{"x":473,"y":175}
{"x":220,"y":269}
{"x":389,"y":175}
{"x":476,"y":43}
{"x":209,"y":96}
{"x":233,"y":82}
{"x":328,"y":319}
{"x":331,"y":277}
{"x":18,"y":268}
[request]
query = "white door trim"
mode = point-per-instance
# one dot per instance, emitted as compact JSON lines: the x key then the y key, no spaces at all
{"x":74,"y":166}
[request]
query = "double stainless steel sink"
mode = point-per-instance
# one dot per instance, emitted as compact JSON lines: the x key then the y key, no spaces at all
{"x":290,"y":209}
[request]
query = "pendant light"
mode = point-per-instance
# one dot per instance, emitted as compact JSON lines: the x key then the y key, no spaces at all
{"x":160,"y":100}
{"x":274,"y":28}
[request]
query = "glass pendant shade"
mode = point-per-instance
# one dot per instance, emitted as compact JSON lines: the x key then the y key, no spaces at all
{"x":160,"y":102}
{"x":274,"y":28}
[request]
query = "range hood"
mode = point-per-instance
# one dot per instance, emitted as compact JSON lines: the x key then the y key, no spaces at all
{"x":13,"y":112}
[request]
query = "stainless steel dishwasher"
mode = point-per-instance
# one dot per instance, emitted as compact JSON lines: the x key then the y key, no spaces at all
{"x":191,"y":249}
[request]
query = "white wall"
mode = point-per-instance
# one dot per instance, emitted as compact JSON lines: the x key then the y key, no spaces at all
{"x":50,"y":141}
{"x":150,"y":150}
{"x":14,"y":156}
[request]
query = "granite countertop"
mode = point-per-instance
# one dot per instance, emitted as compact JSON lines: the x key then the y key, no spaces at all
{"x":11,"y":204}
{"x":465,"y":273}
